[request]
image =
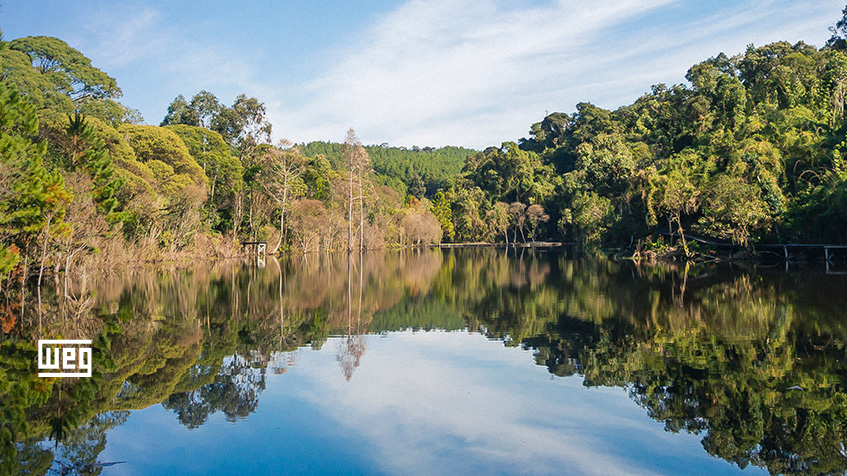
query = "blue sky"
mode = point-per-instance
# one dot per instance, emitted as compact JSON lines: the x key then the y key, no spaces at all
{"x":418,"y":72}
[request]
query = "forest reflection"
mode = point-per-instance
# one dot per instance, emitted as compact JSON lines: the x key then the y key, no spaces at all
{"x":750,"y":359}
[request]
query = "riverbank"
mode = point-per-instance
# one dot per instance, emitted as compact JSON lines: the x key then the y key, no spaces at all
{"x":531,"y":244}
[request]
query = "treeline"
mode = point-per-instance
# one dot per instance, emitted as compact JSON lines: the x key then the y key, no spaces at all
{"x":82,"y":181}
{"x":751,"y":150}
{"x":419,"y":171}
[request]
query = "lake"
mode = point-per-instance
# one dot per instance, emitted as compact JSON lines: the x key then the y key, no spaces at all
{"x":431,"y":362}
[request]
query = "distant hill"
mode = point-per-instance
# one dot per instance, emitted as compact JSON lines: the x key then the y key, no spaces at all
{"x":416,"y":171}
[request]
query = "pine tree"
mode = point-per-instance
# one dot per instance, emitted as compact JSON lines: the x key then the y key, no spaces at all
{"x":32,"y":199}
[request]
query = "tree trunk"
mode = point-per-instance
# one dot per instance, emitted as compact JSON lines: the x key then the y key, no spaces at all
{"x":238,"y":213}
{"x":24,"y":275}
{"x":361,"y":214}
{"x":282,"y":215}
{"x":212,"y":192}
{"x":44,"y":252}
{"x":250,"y":219}
{"x":350,"y":216}
{"x":678,"y":219}
{"x":41,"y":269}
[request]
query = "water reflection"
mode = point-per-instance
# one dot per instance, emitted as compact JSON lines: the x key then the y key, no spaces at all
{"x":751,"y":360}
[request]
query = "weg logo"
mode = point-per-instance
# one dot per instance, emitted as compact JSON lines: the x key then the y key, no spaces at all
{"x":68,"y":357}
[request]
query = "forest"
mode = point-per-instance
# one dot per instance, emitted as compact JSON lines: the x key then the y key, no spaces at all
{"x":748,"y":151}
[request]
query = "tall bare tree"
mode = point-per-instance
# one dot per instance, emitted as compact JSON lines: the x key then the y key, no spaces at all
{"x":358,"y":163}
{"x":281,"y":169}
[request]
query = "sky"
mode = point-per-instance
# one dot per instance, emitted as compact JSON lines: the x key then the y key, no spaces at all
{"x":470,"y":73}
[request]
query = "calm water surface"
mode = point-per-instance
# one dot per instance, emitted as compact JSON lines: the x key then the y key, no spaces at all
{"x":431,"y":363}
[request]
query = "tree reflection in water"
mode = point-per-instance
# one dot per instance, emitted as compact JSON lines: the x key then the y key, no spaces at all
{"x":752,"y":360}
{"x":353,"y":344}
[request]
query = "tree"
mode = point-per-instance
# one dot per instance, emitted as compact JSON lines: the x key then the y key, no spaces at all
{"x":358,"y":163}
{"x":679,"y":198}
{"x":441,"y":210}
{"x":32,"y":200}
{"x":838,"y":40}
{"x":110,"y":111}
{"x":68,"y":69}
{"x":206,"y":108}
{"x":244,"y":125}
{"x":517,"y":217}
{"x":167,"y":156}
{"x":421,"y":227}
{"x":41,"y":92}
{"x":467,"y":203}
{"x":179,"y":112}
{"x":734,"y":210}
{"x":281,"y":169}
{"x":308,"y":222}
{"x":592,"y":216}
{"x":59,"y":80}
{"x":223,"y":170}
{"x":424,"y":171}
{"x":202,"y":111}
{"x":499,"y":220}
{"x":535,"y":214}
{"x":79,"y":147}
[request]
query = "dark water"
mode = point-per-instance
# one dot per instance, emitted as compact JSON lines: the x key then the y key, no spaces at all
{"x":458,"y":362}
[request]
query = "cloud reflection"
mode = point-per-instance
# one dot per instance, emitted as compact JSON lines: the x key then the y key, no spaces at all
{"x":438,"y":402}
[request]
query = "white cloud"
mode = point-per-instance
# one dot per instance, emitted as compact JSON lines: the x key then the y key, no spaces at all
{"x":436,"y":69}
{"x":439,"y":72}
{"x":477,"y":72}
{"x":433,"y":403}
{"x":125,"y":38}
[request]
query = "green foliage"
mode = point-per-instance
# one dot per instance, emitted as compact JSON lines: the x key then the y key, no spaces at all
{"x":243,"y":125}
{"x":212,"y":154}
{"x":838,"y":40}
{"x":31,"y":197}
{"x":59,"y":80}
{"x":592,"y":216}
{"x":417,"y":171}
{"x":167,"y":156}
{"x":510,"y":174}
{"x":21,"y":390}
{"x":41,"y":92}
{"x":750,"y":151}
{"x":732,"y":210}
{"x":223,"y":170}
{"x":109,"y":111}
{"x":467,"y":207}
{"x":68,"y":69}
{"x":441,"y":210}
{"x":76,"y":145}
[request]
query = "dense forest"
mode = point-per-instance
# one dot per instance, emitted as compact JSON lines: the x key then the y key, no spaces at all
{"x":83,"y":182}
{"x":748,"y":151}
{"x":418,"y":172}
